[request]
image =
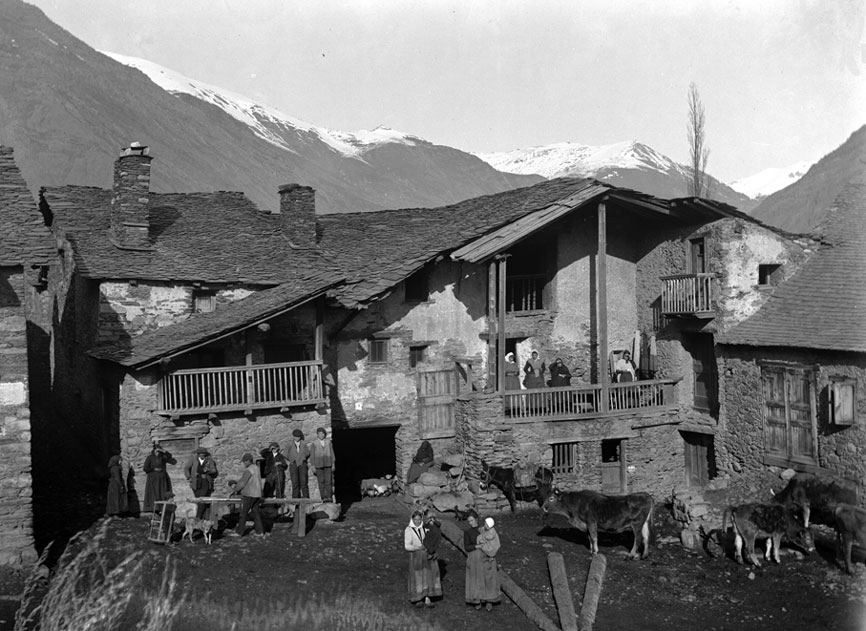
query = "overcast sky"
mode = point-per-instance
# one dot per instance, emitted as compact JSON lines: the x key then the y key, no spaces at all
{"x":781,"y":80}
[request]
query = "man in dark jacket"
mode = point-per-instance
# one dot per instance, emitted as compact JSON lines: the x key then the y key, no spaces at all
{"x":201,"y":470}
{"x":298,"y":455}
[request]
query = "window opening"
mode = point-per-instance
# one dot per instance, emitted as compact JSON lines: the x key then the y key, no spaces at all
{"x":378,"y":351}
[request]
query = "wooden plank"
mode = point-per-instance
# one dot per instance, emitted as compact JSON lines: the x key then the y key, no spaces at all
{"x":601,"y":296}
{"x":592,"y":593}
{"x":561,"y":591}
{"x":500,"y":340}
{"x":491,"y":324}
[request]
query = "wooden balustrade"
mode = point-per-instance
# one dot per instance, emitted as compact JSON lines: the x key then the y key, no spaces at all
{"x":687,"y":294}
{"x":524,"y":292}
{"x":587,"y":401}
{"x":241,"y":388}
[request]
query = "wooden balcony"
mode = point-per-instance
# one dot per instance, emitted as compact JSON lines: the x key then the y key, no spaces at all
{"x":241,"y":388}
{"x":588,"y":401}
{"x":688,"y":295}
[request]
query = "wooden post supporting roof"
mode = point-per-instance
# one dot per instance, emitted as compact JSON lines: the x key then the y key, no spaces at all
{"x":601,"y":293}
{"x":500,"y":340}
{"x":320,"y":327}
{"x":491,"y":324}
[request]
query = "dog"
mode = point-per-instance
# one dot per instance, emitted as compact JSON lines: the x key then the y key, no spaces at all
{"x":191,"y":524}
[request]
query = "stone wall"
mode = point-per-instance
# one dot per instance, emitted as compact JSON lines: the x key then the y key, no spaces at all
{"x":128,"y":309}
{"x":654,"y":450}
{"x":16,"y":514}
{"x":740,"y":439}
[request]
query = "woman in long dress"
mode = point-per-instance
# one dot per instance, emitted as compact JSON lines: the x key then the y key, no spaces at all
{"x":512,"y":380}
{"x":423,"y":580}
{"x":488,"y":544}
{"x":534,"y":370}
{"x":157,"y":486}
{"x":115,"y":500}
{"x":479,"y":588}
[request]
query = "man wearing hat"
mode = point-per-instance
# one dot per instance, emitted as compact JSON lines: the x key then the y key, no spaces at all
{"x":249,"y":487}
{"x":322,"y":457}
{"x":275,"y":472}
{"x":298,"y":456}
{"x":201,"y":471}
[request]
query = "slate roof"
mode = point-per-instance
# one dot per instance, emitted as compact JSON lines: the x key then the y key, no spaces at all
{"x":219,"y":237}
{"x":24,"y":238}
{"x":380,"y":249}
{"x":823,"y":305}
{"x":203,"y":328}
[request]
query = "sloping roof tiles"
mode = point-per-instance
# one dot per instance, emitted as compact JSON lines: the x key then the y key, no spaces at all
{"x":207,"y":237}
{"x":823,"y":305}
{"x":24,"y":238}
{"x":202,"y":328}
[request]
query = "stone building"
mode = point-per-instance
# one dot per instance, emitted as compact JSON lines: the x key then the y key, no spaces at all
{"x":26,"y":252}
{"x":793,"y":375}
{"x":575,"y":269}
{"x":197,"y":320}
{"x":192,"y":320}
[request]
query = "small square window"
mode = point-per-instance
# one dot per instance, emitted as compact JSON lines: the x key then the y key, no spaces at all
{"x":564,"y":457}
{"x":417,"y":355}
{"x":203,"y":301}
{"x":841,"y":398}
{"x":378,"y":351}
{"x":768,"y":274}
{"x":417,"y":287}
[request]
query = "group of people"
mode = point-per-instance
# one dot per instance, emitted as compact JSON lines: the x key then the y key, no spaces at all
{"x":534,"y":370}
{"x":480,"y":541}
{"x":268,"y":480}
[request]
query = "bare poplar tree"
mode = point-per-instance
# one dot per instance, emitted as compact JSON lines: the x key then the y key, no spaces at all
{"x":698,"y":151}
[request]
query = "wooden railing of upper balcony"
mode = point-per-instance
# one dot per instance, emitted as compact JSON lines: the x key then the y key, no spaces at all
{"x":524,"y":292}
{"x":587,"y":401}
{"x":235,"y":388}
{"x":688,"y":294}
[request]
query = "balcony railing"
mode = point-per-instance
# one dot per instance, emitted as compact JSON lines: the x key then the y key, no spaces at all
{"x":688,"y":294}
{"x":588,"y":401}
{"x":241,"y":388}
{"x":524,"y":292}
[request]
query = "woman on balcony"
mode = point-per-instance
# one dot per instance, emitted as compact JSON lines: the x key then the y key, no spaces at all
{"x":624,"y":369}
{"x":534,"y":370}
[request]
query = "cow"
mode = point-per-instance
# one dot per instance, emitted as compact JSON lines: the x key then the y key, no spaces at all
{"x":816,"y":496}
{"x":590,"y":512}
{"x":770,"y":521}
{"x":503,"y":478}
{"x":850,"y":526}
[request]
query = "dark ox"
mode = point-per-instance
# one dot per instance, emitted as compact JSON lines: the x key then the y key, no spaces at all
{"x":769,"y":521}
{"x":850,"y":526}
{"x":590,"y":512}
{"x":503,"y":479}
{"x":816,"y":496}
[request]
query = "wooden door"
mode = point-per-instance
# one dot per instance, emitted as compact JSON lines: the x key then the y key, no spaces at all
{"x":700,"y":458}
{"x":800,"y":404}
{"x":613,"y":466}
{"x":437,"y":390}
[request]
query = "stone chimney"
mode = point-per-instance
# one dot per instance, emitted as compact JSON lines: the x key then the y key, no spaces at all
{"x":298,"y":210}
{"x":130,"y":214}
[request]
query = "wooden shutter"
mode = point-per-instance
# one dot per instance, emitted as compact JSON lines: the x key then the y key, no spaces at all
{"x":800,"y":406}
{"x":775,"y":418}
{"x":436,"y":393}
{"x":841,"y":403}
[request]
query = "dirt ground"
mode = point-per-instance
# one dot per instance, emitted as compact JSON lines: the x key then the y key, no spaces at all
{"x":360,"y":556}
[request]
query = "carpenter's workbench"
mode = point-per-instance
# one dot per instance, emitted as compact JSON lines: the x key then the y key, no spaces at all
{"x":300,"y":511}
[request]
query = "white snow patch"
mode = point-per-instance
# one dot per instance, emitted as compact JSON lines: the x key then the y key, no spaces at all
{"x":771,"y":180}
{"x":267,"y":122}
{"x":574,"y":159}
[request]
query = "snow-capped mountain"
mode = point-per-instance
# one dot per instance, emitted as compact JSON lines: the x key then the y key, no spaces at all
{"x":268,"y":123}
{"x":631,"y":164}
{"x":769,"y":181}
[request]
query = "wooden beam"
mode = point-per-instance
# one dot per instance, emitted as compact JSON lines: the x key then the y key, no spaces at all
{"x":561,"y":591}
{"x":500,"y":342}
{"x":320,"y":327}
{"x":592,"y":593}
{"x":491,"y":324}
{"x":601,"y":293}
